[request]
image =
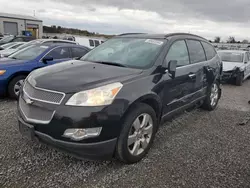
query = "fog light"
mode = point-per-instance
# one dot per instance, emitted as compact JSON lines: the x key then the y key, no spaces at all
{"x":80,"y":134}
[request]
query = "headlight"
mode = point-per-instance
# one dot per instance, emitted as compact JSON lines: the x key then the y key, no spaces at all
{"x":100,"y":96}
{"x":2,"y":72}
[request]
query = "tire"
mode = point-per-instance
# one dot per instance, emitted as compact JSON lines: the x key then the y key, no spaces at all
{"x":208,"y":104}
{"x":239,"y":79}
{"x":124,"y":151}
{"x":11,"y":87}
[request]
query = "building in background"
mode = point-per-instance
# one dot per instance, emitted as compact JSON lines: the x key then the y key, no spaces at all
{"x":17,"y":25}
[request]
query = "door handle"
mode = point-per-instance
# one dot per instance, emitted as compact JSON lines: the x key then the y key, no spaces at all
{"x":192,"y":76}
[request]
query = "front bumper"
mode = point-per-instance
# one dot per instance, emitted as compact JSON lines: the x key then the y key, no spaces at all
{"x":100,"y":150}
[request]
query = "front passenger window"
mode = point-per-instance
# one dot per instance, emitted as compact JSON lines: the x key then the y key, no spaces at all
{"x":178,"y":51}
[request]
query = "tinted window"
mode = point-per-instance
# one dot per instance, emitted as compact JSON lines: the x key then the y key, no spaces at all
{"x":247,"y":57}
{"x":18,"y":40}
{"x":91,"y":43}
{"x":196,"y":51}
{"x":209,"y":49}
{"x":97,"y":43}
{"x":178,"y":51}
{"x":78,"y":52}
{"x":59,"y":53}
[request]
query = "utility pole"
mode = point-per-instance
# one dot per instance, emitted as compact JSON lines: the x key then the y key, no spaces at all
{"x":34,"y":12}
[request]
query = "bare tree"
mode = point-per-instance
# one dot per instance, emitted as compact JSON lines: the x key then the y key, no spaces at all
{"x":231,"y":40}
{"x":245,"y":41}
{"x":217,"y":39}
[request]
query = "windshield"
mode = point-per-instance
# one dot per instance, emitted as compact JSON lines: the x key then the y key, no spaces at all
{"x":231,"y":57}
{"x":130,"y":52}
{"x":30,"y":43}
{"x":8,"y":45}
{"x":29,"y":53}
{"x":6,"y":39}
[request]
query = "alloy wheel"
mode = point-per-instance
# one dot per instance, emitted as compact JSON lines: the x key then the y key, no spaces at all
{"x":140,"y":134}
{"x":18,"y":86}
{"x":214,"y":96}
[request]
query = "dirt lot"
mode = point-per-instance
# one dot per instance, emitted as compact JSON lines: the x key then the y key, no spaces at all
{"x":197,"y":149}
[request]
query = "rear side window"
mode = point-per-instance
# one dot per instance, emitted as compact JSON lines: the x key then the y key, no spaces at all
{"x":91,"y":42}
{"x":196,"y":51}
{"x":178,"y":51}
{"x":97,"y":43}
{"x":209,"y":49}
{"x":60,"y":53}
{"x":78,"y":52}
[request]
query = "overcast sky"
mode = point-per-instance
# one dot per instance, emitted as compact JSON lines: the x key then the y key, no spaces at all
{"x":208,"y":18}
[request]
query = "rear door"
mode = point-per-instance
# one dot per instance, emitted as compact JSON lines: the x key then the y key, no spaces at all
{"x":59,"y":54}
{"x":198,"y":61}
{"x":78,"y":52}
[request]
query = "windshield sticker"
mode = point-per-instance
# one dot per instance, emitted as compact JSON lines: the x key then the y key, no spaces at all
{"x":44,"y":47}
{"x":156,"y":42}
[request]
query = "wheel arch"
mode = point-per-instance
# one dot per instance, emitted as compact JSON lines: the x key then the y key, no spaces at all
{"x":153,"y":100}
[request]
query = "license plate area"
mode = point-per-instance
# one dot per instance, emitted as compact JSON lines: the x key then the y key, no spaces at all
{"x":27,"y":130}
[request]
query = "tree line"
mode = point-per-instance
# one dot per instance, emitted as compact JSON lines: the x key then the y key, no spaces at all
{"x":230,"y":39}
{"x":72,"y":31}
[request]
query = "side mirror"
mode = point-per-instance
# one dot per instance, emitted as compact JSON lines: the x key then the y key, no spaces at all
{"x":172,"y":68}
{"x":46,"y":59}
{"x":245,"y":62}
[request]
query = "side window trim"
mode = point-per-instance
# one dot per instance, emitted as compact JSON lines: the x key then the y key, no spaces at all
{"x":204,"y":51}
{"x":184,"y":39}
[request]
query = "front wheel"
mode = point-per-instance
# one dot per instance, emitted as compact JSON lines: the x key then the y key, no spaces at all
{"x":137,"y":135}
{"x":239,"y":79}
{"x":15,"y":86}
{"x":212,"y":98}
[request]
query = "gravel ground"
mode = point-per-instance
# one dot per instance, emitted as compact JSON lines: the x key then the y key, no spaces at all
{"x":196,"y":149}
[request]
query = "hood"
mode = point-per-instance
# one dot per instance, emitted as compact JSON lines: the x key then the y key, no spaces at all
{"x":6,"y":62}
{"x":228,"y":66}
{"x":74,"y":76}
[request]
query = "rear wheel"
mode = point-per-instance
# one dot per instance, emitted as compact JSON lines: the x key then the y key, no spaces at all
{"x":15,"y":86}
{"x":239,"y":79}
{"x":137,"y":135}
{"x":213,"y":96}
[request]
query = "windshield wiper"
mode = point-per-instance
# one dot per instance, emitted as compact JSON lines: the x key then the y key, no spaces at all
{"x":110,"y":63}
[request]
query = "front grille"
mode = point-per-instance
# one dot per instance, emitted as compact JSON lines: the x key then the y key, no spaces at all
{"x":43,"y":95}
{"x":35,"y":114}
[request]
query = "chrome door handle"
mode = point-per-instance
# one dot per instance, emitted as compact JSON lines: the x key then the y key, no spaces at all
{"x":192,"y":76}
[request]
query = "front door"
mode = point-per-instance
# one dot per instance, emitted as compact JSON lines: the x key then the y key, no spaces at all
{"x":58,"y":54}
{"x":176,"y":90}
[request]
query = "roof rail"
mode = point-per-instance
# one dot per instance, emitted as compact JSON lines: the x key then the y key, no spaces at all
{"x":171,"y":34}
{"x":130,"y":34}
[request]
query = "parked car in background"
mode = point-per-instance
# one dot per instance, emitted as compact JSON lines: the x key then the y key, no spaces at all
{"x":16,"y":39}
{"x":11,"y":45}
{"x":236,"y":65}
{"x":6,"y":53}
{"x":15,"y":68}
{"x":90,"y":42}
{"x":111,"y":101}
{"x":71,"y":38}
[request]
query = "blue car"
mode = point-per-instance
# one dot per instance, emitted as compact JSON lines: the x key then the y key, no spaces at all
{"x":15,"y":68}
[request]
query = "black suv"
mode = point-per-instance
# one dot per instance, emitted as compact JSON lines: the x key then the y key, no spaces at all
{"x":111,"y":101}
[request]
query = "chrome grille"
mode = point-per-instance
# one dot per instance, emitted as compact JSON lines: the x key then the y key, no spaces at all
{"x":43,"y":95}
{"x":35,"y":114}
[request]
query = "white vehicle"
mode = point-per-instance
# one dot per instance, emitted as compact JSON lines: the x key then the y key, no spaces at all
{"x":11,"y":45}
{"x":89,"y":42}
{"x":236,"y":65}
{"x":6,"y":53}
